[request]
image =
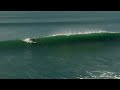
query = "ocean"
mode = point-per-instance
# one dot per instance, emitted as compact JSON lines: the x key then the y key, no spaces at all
{"x":69,"y":45}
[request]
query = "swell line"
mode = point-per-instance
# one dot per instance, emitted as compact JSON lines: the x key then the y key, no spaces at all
{"x":65,"y":39}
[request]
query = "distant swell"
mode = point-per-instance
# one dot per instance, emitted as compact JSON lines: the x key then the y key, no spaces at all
{"x":65,"y":39}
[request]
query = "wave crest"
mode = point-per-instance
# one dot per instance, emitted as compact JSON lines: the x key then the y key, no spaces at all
{"x":87,"y":32}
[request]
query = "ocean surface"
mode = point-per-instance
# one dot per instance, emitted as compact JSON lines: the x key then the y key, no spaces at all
{"x":70,"y":45}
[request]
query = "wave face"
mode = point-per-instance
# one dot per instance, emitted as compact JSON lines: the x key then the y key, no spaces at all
{"x":66,"y":39}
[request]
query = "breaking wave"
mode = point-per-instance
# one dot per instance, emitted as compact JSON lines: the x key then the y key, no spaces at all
{"x":69,"y":38}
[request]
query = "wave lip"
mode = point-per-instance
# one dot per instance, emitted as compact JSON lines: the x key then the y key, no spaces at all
{"x":76,"y":33}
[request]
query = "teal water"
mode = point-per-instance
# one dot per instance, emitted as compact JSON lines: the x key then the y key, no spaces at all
{"x":70,"y":45}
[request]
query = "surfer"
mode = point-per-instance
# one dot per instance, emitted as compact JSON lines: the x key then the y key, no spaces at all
{"x":29,"y":40}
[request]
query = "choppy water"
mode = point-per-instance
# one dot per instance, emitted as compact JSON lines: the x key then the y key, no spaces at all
{"x":70,"y":44}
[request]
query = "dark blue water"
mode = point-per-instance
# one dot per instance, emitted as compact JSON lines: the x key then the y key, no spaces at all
{"x":70,"y":44}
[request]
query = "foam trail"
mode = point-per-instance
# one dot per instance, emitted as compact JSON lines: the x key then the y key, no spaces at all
{"x":100,"y":75}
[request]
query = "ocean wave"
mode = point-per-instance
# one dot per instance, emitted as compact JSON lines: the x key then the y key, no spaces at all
{"x":69,"y":38}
